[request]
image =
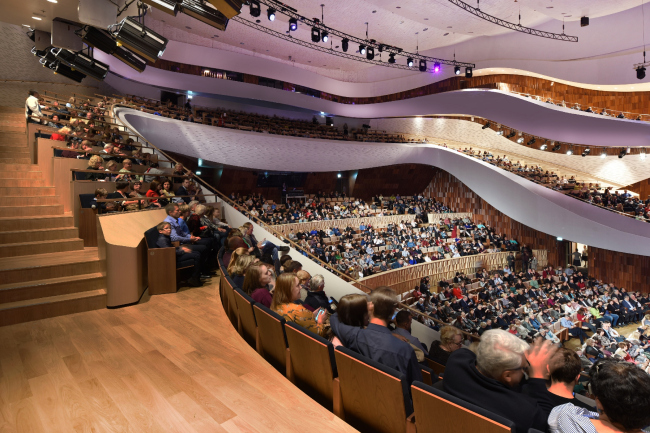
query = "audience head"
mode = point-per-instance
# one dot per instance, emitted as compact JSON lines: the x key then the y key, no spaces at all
{"x":238,"y":266}
{"x":235,"y":254}
{"x":163,"y":226}
{"x":565,"y":367}
{"x":258,"y":275}
{"x":154,"y":185}
{"x":353,"y":310}
{"x":292,"y":266}
{"x":384,"y":301}
{"x":121,"y":185}
{"x":403,"y":319}
{"x":172,"y":209}
{"x":185,"y":211}
{"x":317,"y":283}
{"x":287,"y":290}
{"x":622,"y":392}
{"x":101,"y":193}
{"x":236,"y":242}
{"x":501,"y":356}
{"x":200,"y":209}
{"x":95,"y":161}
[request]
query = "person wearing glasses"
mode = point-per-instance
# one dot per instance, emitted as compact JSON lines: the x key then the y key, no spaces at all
{"x":451,"y":339}
{"x":493,"y":378}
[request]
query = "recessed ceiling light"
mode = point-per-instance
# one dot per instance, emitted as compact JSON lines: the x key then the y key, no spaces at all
{"x":336,"y":46}
{"x":470,"y":32}
{"x":549,"y":7}
{"x":37,"y":18}
{"x":258,"y":21}
{"x":26,"y":25}
{"x":308,"y":61}
{"x":267,"y":51}
{"x":424,"y":30}
{"x":53,"y":1}
{"x":216,"y":36}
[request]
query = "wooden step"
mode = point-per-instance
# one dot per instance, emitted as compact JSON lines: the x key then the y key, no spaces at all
{"x":45,"y":266}
{"x":28,"y":201}
{"x":18,"y":236}
{"x":41,"y":247}
{"x":22,"y":183}
{"x":35,"y":222}
{"x":52,"y":306}
{"x":15,"y":160}
{"x":27,"y":191}
{"x":21,"y":174}
{"x":39,"y":210}
{"x":14,"y":141}
{"x":13,"y":152}
{"x":19,"y":167}
{"x":51,"y":287}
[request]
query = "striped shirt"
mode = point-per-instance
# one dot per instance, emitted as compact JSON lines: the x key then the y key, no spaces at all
{"x":568,"y":418}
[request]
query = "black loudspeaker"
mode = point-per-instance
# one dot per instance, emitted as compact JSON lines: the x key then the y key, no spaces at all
{"x":584,"y":21}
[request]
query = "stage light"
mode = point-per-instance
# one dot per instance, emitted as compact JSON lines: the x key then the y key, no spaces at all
{"x":99,"y":39}
{"x":198,"y":172}
{"x":391,"y":58}
{"x":586,"y":152}
{"x":140,"y":39}
{"x":603,"y":154}
{"x":229,"y":8}
{"x":569,"y":152}
{"x":409,"y":62}
{"x":344,"y":45}
{"x":436,"y":67}
{"x":456,"y":70}
{"x":293,"y":24}
{"x":362,"y":50}
{"x":270,"y":14}
{"x":167,"y":6}
{"x":500,"y":132}
{"x":543,"y":147}
{"x":512,"y":134}
{"x":82,"y":63}
{"x":531,"y":141}
{"x":205,"y":12}
{"x":315,"y":34}
{"x":255,"y":9}
{"x":65,"y":70}
{"x":324,"y":36}
{"x":468,"y":72}
{"x":130,"y":58}
{"x":423,"y":65}
{"x":370,"y":53}
{"x":520,"y":140}
{"x":486,"y":126}
{"x":338,"y":175}
{"x":640,"y":72}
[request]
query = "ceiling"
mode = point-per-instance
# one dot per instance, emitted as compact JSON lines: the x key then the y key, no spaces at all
{"x":429,"y":24}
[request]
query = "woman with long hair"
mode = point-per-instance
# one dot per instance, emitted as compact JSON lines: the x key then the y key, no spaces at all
{"x":285,"y":295}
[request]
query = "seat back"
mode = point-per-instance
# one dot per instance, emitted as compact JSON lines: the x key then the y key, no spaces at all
{"x":151,"y":237}
{"x":273,"y":341}
{"x":227,"y":288}
{"x":437,"y":411}
{"x":87,"y":201}
{"x":246,"y":317}
{"x":312,"y":367}
{"x":374,"y":397}
{"x":436,"y":367}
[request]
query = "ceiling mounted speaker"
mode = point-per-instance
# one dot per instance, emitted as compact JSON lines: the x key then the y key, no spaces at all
{"x":42,"y":40}
{"x":98,"y":13}
{"x":230,"y":8}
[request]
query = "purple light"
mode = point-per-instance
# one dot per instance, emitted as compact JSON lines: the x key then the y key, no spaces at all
{"x":436,"y":67}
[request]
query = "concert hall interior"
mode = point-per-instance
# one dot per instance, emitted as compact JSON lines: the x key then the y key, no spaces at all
{"x":241,"y":216}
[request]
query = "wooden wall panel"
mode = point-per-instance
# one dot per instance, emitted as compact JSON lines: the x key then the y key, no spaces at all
{"x":403,"y":179}
{"x":630,"y":271}
{"x":455,"y":194}
{"x":326,"y":182}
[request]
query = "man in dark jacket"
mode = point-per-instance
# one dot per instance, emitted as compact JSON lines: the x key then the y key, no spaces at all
{"x":316,"y":298}
{"x":492,"y":378}
{"x":183,"y":253}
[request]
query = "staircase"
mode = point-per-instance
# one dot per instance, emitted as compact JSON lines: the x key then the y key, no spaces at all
{"x":45,"y":271}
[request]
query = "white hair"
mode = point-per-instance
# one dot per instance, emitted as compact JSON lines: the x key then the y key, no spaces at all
{"x":498,"y":351}
{"x":317,"y":281}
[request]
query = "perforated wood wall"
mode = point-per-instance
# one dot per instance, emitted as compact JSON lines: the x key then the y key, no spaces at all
{"x":623,"y":270}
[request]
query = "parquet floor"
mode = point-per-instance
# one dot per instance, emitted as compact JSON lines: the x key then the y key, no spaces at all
{"x":172,"y":363}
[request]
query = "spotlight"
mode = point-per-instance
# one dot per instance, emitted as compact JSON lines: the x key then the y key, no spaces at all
{"x":486,"y":126}
{"x":338,"y":175}
{"x":167,"y":6}
{"x":500,"y":132}
{"x":640,"y":73}
{"x":65,"y":70}
{"x":324,"y":36}
{"x":409,"y":62}
{"x":436,"y":67}
{"x":362,"y":50}
{"x":131,"y":59}
{"x":82,"y":63}
{"x":205,"y":12}
{"x":255,"y":9}
{"x":315,"y":34}
{"x":370,"y":53}
{"x":99,"y":39}
{"x":603,"y":154}
{"x":456,"y":70}
{"x":423,"y":65}
{"x":391,"y":58}
{"x":140,"y":39}
{"x":556,"y":148}
{"x":512,"y":134}
{"x":586,"y":152}
{"x":293,"y":24}
{"x":543,"y":147}
{"x":468,"y":72}
{"x":270,"y":14}
{"x":569,"y":152}
{"x":520,"y":140}
{"x":531,"y":141}
{"x":344,"y":45}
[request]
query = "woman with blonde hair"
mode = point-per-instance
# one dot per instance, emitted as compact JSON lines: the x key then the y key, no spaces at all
{"x":237,"y":270}
{"x":234,"y":256}
{"x":95,"y":163}
{"x":285,"y":295}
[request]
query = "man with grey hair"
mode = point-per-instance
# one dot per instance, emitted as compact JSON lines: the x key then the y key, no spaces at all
{"x":494,"y":378}
{"x":316,"y":298}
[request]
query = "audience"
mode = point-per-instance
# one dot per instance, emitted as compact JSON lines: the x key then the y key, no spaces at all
{"x":285,"y":302}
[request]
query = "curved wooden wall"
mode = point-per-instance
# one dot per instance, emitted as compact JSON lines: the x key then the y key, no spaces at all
{"x":630,"y":271}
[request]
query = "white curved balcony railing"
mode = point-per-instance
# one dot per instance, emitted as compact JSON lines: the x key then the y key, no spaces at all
{"x":533,"y":205}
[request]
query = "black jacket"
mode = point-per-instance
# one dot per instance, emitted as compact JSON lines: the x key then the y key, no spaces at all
{"x":318,"y":300}
{"x":527,"y":409}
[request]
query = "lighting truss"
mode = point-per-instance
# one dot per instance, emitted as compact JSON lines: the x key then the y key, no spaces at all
{"x":321,"y":47}
{"x":512,"y":26}
{"x":379,"y":47}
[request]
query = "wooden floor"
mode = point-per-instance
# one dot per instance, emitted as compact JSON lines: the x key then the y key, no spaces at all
{"x":172,"y":363}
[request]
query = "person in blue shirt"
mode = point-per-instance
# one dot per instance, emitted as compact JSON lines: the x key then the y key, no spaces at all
{"x":362,"y":227}
{"x":180,"y":233}
{"x":398,"y":264}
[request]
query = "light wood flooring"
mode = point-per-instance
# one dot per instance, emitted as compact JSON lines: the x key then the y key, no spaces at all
{"x":172,"y":363}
